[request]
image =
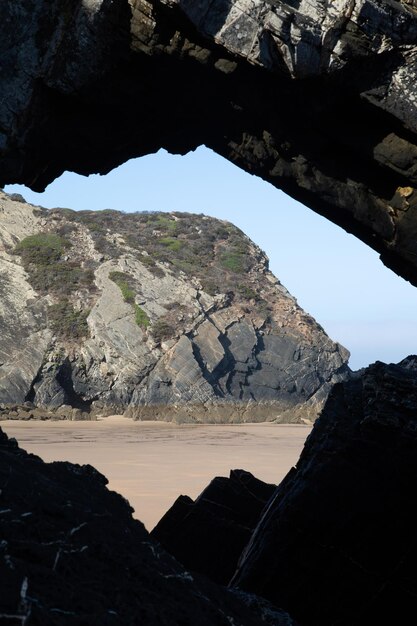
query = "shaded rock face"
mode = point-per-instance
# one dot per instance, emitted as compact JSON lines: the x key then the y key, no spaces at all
{"x":160,"y":316}
{"x":71,"y":553}
{"x":209,"y":535}
{"x":336,"y":544}
{"x":330,"y":115}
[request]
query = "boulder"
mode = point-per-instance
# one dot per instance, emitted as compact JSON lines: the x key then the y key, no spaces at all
{"x":209,"y":534}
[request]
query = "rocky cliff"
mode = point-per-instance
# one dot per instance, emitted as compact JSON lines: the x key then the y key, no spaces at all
{"x":167,"y":316}
{"x":318,"y":98}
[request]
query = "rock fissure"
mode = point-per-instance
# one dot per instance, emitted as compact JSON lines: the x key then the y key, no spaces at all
{"x":206,"y":375}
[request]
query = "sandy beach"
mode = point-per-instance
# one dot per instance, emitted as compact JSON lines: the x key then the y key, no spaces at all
{"x":152,"y":463}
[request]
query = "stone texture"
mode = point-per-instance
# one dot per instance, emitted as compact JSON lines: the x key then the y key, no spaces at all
{"x":330,"y":116}
{"x":209,"y":534}
{"x":71,"y":554}
{"x":24,"y":337}
{"x":337,"y":541}
{"x":247,"y":354}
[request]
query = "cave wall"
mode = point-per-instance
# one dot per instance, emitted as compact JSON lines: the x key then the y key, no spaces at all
{"x":319,"y":100}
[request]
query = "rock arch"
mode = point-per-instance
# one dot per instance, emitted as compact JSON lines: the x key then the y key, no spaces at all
{"x":318,"y":100}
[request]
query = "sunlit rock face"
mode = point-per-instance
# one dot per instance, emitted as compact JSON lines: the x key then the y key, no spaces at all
{"x":156,"y":315}
{"x":318,"y":98}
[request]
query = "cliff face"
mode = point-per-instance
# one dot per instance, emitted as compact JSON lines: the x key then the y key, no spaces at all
{"x":170,"y":316}
{"x":317,"y":98}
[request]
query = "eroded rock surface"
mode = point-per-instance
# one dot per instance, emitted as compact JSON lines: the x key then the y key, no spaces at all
{"x":159,"y":316}
{"x":319,"y":98}
{"x":71,"y":554}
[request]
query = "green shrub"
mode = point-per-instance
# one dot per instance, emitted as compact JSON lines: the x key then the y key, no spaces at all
{"x":141,"y":318}
{"x":147,"y":260}
{"x":188,"y":267}
{"x":173,"y":244}
{"x":41,"y":249}
{"x":210,"y":287}
{"x":233,"y":261}
{"x":162,"y":330}
{"x":68,"y":213}
{"x":67,"y":322}
{"x":247,"y":292}
{"x":60,"y":278}
{"x":166,"y":223}
{"x":41,"y":256}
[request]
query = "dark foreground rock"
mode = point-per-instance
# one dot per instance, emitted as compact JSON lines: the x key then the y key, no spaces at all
{"x":337,"y":544}
{"x":71,"y":554}
{"x":208,"y":535}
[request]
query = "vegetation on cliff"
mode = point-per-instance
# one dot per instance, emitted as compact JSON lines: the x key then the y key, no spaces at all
{"x":208,"y":249}
{"x":157,"y":315}
{"x":47,"y":259}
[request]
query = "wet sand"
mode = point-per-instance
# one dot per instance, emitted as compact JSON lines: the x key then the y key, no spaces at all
{"x":152,"y":463}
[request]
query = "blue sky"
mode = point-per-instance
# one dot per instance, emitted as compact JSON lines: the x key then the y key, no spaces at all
{"x":335,"y":277}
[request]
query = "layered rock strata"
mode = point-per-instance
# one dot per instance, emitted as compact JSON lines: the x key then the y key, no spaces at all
{"x":317,"y":98}
{"x":159,"y":316}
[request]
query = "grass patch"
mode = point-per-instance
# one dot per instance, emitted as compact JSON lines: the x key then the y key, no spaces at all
{"x":147,"y":260}
{"x":186,"y":266}
{"x":141,"y":318}
{"x":124,"y":282}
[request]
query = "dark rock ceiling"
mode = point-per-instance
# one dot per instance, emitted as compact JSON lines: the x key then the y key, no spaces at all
{"x":319,"y":100}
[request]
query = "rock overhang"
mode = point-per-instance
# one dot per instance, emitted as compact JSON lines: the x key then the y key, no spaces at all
{"x":319,"y":100}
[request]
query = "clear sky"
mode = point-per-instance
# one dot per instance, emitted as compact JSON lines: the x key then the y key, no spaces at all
{"x":334,"y":276}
